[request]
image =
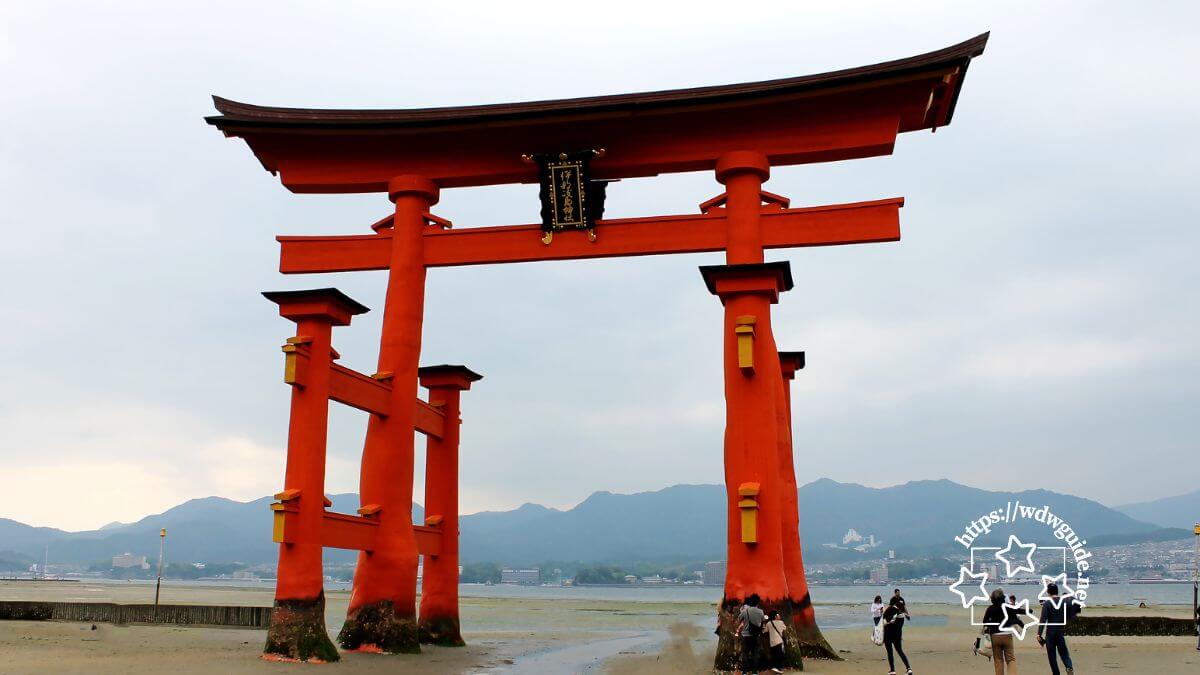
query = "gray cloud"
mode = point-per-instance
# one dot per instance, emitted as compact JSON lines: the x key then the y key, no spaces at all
{"x":1034,"y":327}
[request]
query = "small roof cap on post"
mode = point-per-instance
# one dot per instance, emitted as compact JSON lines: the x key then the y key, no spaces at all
{"x":770,"y":278}
{"x":328,"y":303}
{"x":790,"y":362}
{"x":447,"y":375}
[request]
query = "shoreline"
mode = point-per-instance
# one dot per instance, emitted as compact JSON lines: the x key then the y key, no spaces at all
{"x":533,"y":634}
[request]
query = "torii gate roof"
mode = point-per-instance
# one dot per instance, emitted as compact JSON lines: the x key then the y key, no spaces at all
{"x":842,"y":114}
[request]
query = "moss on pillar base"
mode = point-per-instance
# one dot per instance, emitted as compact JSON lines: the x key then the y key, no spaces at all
{"x":813,"y":644}
{"x":376,"y":627}
{"x":442,"y":631}
{"x":729,"y":644}
{"x":297,"y":631}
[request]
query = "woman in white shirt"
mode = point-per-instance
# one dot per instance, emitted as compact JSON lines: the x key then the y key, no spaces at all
{"x":877,"y":609}
{"x":775,"y":630}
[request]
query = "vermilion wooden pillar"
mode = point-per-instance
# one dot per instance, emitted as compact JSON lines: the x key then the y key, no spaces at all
{"x":748,"y":287}
{"x":297,"y":629}
{"x":382,"y":612}
{"x":812,"y":642}
{"x":439,"y":622}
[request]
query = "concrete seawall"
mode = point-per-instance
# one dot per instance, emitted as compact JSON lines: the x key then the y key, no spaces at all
{"x":107,"y":612}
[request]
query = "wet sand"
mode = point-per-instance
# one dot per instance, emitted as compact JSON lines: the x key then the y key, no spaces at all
{"x":504,"y":635}
{"x":520,"y":635}
{"x":943,"y":649}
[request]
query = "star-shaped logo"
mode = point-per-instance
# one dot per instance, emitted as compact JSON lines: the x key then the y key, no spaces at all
{"x":1064,"y":591}
{"x":1015,"y":566}
{"x":963,"y":573}
{"x":1016,"y":628}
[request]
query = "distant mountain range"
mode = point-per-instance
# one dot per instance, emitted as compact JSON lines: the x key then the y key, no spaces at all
{"x":679,"y":523}
{"x":1179,"y":511}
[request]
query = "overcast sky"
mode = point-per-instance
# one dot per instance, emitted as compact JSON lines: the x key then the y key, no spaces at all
{"x":1036,"y":327}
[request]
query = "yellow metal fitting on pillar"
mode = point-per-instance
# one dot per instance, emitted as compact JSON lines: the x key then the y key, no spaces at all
{"x":282,"y":511}
{"x":290,"y":363}
{"x":744,"y":330}
{"x":295,"y":359}
{"x":749,"y":507}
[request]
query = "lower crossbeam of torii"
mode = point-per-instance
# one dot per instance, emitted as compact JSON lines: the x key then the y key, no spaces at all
{"x":413,"y":155}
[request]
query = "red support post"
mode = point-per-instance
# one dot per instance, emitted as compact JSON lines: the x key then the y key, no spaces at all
{"x":439,"y":622}
{"x":812,"y":643}
{"x":382,"y":612}
{"x":297,"y":630}
{"x":748,"y":287}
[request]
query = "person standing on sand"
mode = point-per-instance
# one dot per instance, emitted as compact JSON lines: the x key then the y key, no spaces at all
{"x":995,"y":620}
{"x":775,"y":637}
{"x":893,"y":632}
{"x":750,"y":626}
{"x":877,"y":609}
{"x":1054,"y":621}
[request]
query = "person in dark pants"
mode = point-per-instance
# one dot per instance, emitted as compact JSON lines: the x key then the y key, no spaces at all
{"x":893,"y":632}
{"x":1053,"y":624}
{"x":750,"y":625}
{"x":776,"y":639}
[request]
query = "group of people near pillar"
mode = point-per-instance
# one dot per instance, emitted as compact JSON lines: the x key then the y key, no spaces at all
{"x":753,"y":625}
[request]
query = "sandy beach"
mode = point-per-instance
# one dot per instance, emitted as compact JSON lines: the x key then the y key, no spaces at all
{"x":504,"y":635}
{"x":519,"y":635}
{"x":945,"y":649}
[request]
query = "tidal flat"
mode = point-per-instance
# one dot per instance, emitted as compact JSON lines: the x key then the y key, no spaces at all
{"x":526,"y":635}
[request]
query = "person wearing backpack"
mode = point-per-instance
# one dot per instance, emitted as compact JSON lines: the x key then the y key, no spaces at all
{"x":750,"y":627}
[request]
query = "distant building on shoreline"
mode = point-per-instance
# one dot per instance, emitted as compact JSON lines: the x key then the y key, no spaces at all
{"x":128,"y":560}
{"x":530,"y":576}
{"x":714,"y":573}
{"x":879,"y":576}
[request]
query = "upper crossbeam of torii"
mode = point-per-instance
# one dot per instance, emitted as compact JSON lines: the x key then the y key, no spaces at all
{"x":737,"y":131}
{"x":846,"y":114}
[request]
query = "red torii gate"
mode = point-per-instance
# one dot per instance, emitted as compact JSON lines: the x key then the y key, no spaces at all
{"x":739,"y":131}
